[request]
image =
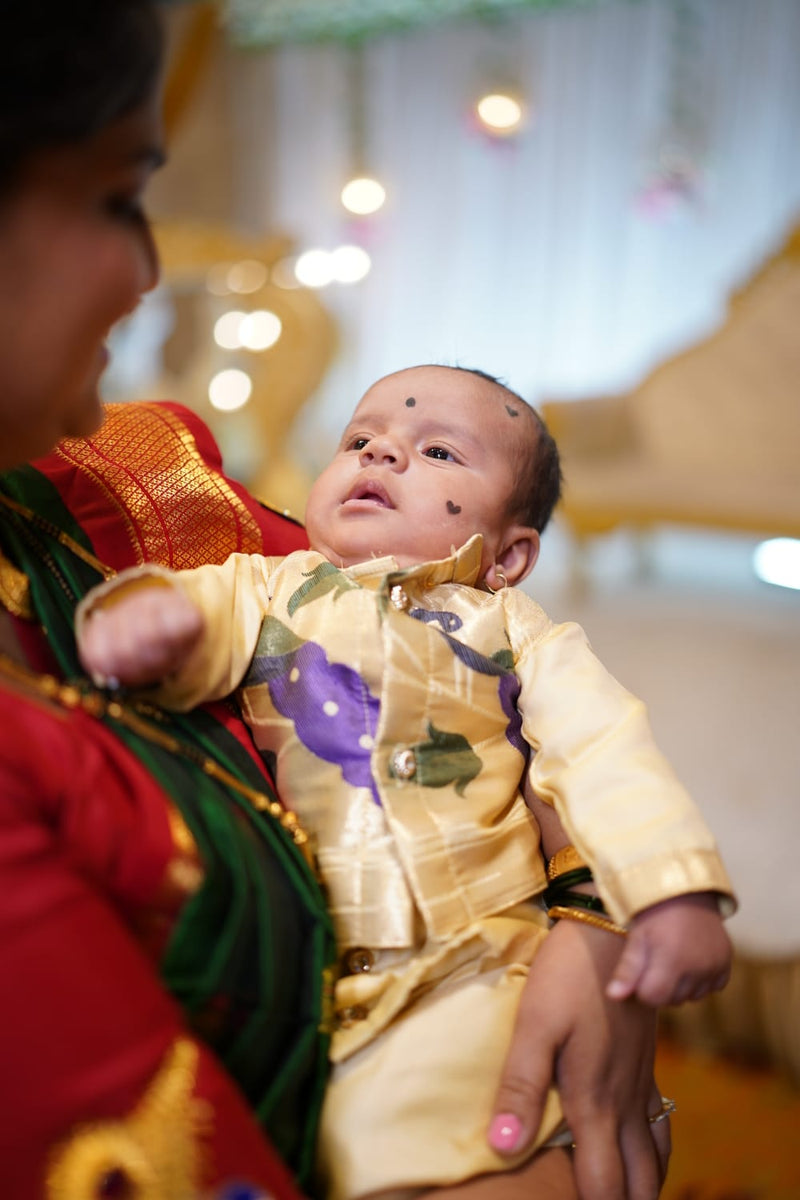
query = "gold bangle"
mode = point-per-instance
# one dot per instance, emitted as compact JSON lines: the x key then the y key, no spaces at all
{"x":565,"y":859}
{"x":559,"y":912}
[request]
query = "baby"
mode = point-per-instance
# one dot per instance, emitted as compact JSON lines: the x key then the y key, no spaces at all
{"x":409,"y":700}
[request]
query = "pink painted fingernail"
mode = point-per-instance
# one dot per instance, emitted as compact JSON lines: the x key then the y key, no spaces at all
{"x":504,"y":1132}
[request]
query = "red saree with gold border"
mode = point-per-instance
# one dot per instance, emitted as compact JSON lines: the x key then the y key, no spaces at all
{"x":156,"y":913}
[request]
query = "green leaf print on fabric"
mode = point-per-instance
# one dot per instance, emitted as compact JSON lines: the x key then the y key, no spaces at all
{"x":504,"y":659}
{"x":276,"y":639}
{"x":447,"y":758}
{"x":323,"y":579}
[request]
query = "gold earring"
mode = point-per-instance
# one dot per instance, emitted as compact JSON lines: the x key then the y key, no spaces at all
{"x":503,"y":582}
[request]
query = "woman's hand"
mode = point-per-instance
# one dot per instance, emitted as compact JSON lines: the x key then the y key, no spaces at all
{"x":600,"y":1054}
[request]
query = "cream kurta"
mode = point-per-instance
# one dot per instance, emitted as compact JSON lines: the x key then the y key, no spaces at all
{"x":402,"y":708}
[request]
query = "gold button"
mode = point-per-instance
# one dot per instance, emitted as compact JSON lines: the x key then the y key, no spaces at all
{"x":345,"y":1017}
{"x":399,"y":598}
{"x":404,"y":764}
{"x":358,"y":960}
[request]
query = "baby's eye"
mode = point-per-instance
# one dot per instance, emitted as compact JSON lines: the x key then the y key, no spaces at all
{"x":439,"y":452}
{"x":357,"y":443}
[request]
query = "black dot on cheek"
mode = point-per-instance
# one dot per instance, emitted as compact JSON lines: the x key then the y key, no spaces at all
{"x":410,"y":402}
{"x":512,"y":412}
{"x":453,"y":508}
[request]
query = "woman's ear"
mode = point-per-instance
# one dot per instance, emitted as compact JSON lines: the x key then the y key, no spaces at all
{"x":517,"y":558}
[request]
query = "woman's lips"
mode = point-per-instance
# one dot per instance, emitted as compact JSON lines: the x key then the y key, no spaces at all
{"x":369,"y":492}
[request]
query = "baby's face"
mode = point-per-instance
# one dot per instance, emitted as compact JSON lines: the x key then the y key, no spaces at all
{"x":425,"y":463}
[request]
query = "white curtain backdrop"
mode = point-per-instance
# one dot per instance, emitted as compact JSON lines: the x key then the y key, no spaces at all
{"x":530,"y":258}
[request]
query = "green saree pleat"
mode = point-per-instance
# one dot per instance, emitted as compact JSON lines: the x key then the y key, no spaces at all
{"x":248,"y":958}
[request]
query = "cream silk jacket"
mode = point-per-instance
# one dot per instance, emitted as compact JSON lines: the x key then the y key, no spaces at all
{"x":402,"y":708}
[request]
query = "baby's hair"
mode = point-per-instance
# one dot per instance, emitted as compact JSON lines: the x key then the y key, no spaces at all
{"x":537,"y":468}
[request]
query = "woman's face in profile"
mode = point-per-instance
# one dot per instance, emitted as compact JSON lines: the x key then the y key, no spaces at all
{"x":76,"y":254}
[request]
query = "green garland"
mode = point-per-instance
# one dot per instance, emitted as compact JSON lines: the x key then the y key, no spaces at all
{"x":259,"y":23}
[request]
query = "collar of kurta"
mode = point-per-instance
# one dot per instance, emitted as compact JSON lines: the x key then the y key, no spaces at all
{"x":461,"y":566}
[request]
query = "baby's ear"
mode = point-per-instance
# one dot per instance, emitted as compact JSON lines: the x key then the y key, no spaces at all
{"x":516,"y":559}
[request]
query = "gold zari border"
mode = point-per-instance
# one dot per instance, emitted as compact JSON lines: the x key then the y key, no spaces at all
{"x":155,"y":1152}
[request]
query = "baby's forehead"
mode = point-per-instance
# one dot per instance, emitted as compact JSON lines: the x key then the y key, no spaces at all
{"x":424,"y":389}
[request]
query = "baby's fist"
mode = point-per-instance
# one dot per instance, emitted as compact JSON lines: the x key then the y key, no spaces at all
{"x":138,"y":637}
{"x":675,"y":951}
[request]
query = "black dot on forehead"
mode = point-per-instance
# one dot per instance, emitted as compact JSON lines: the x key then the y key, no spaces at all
{"x":410,"y":402}
{"x":512,"y":412}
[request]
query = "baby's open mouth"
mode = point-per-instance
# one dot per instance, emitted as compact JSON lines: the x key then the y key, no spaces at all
{"x":369,"y":491}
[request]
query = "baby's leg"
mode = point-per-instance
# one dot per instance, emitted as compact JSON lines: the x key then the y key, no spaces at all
{"x":546,"y":1176}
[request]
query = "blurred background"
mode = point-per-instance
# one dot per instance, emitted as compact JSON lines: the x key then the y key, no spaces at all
{"x":598,"y":201}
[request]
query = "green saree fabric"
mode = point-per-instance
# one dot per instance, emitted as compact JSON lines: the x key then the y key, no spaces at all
{"x":249,"y":956}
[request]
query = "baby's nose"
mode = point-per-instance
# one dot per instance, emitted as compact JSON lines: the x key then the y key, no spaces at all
{"x":382,"y":449}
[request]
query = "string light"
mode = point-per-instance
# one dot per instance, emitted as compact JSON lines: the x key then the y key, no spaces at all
{"x":363,"y":194}
{"x":500,"y":113}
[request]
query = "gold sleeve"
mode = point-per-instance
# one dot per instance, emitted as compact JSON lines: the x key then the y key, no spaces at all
{"x":595,"y":760}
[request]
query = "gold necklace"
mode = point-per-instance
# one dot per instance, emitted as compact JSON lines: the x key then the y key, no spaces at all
{"x":81,"y":695}
{"x":15,"y":589}
{"x":15,"y":592}
{"x":59,"y":535}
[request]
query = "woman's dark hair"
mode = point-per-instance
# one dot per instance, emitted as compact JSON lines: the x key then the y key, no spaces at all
{"x":68,"y":68}
{"x":537,"y":467}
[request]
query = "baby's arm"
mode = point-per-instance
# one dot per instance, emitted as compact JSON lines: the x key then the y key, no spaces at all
{"x":597,"y":780}
{"x":142,"y":633}
{"x":193,"y":633}
{"x":675,"y":951}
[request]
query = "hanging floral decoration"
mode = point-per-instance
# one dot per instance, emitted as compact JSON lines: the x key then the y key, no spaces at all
{"x":674,"y":176}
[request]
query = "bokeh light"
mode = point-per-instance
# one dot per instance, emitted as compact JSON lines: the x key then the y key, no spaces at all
{"x":778,"y":561}
{"x":283,"y":273}
{"x":260,"y":330}
{"x":230,"y":389}
{"x":363,"y":196}
{"x":314,"y":268}
{"x":350,"y":264}
{"x":247,"y":276}
{"x":500,"y":113}
{"x":217,"y":279}
{"x":227,"y":330}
